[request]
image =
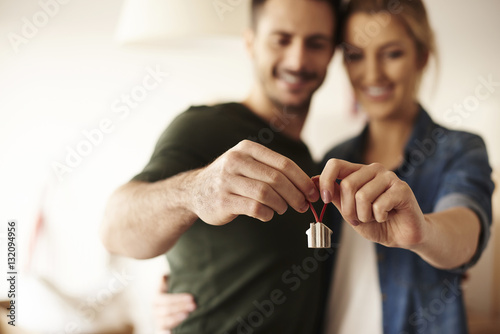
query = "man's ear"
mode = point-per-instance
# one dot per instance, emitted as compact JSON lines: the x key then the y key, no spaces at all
{"x":249,"y":36}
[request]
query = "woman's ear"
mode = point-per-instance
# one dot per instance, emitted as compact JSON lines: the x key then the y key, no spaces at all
{"x":249,"y":36}
{"x":423,"y":60}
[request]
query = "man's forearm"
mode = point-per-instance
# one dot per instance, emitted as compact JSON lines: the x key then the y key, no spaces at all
{"x":144,"y":220}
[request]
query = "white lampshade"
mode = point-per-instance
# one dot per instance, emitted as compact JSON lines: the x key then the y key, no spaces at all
{"x":160,"y":22}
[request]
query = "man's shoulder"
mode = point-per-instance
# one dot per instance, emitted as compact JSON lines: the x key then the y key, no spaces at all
{"x":207,"y":117}
{"x":209,"y":111}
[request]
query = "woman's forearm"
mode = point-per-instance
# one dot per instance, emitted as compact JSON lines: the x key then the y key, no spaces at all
{"x":450,"y":238}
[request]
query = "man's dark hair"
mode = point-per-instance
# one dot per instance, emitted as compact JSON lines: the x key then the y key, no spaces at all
{"x":334,"y":4}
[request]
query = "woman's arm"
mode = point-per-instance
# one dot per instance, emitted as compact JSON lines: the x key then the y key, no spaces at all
{"x":383,"y":209}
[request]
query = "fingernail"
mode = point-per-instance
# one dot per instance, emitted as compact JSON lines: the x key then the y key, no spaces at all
{"x":304,"y":207}
{"x":182,"y":316}
{"x":191,"y":307}
{"x":355,"y":223}
{"x":326,"y":196}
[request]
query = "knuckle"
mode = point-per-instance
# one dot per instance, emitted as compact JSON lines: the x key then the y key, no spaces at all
{"x":262,"y":191}
{"x":284,"y":163}
{"x":332,"y":163}
{"x":380,"y":212}
{"x":378,"y":208}
{"x":230,"y":161}
{"x":346,"y":186}
{"x":401,"y":186}
{"x":377,"y":166}
{"x":275,"y":178}
{"x":255,"y":209}
{"x":390,"y":176}
{"x":361,"y":196}
{"x":230,"y":156}
{"x":244,"y":144}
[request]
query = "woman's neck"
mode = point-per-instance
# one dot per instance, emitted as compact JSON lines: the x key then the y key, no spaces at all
{"x":387,"y":139}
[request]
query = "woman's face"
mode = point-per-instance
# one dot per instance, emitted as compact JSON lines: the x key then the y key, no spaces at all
{"x":382,"y":64}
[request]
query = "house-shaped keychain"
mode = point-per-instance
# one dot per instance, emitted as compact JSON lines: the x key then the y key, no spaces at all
{"x":319,"y":236}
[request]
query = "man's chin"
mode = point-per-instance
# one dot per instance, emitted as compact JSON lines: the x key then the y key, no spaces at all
{"x":296,"y":107}
{"x":293,"y":104}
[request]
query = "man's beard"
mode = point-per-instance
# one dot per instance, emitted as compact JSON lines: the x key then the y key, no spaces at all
{"x":291,"y":109}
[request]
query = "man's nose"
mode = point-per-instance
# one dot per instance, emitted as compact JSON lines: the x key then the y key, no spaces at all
{"x":296,"y":56}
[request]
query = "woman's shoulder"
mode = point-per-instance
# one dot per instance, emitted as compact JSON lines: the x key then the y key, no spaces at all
{"x":456,"y":140}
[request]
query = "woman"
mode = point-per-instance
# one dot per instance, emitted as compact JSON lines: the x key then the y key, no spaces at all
{"x":417,"y":195}
{"x":429,"y":218}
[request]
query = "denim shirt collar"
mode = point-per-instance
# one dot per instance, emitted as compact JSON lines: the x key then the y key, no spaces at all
{"x":423,"y":125}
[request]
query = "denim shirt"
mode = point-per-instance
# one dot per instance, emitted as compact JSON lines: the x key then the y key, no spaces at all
{"x":444,"y":169}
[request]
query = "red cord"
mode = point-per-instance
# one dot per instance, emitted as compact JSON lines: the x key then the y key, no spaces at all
{"x":322,"y":212}
{"x":320,"y":219}
{"x":313,"y":211}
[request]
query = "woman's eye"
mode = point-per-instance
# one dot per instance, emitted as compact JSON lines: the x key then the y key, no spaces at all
{"x":353,"y":56}
{"x":394,"y":54}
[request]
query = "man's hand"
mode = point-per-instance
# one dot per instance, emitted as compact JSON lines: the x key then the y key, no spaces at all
{"x":249,"y":179}
{"x":170,"y":309}
{"x":380,"y":206}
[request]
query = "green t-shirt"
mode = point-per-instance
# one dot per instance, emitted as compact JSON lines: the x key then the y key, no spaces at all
{"x":246,"y":276}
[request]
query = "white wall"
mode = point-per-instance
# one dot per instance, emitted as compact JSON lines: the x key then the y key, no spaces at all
{"x":66,"y":79}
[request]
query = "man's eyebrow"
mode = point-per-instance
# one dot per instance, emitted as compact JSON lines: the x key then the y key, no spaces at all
{"x":320,"y":37}
{"x":309,"y":37}
{"x":280,"y":32}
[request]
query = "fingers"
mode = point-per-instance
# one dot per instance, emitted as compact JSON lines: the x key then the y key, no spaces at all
{"x":173,"y":303}
{"x":334,"y":169}
{"x":241,"y":205}
{"x":259,"y":191}
{"x":353,"y":200}
{"x":296,"y":176}
{"x":249,"y":179}
{"x":371,"y":192}
{"x":397,"y":194}
{"x":171,"y":309}
{"x":264,"y":179}
{"x":364,"y":194}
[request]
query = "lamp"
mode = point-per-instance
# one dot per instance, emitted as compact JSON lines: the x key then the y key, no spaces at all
{"x":163,"y":22}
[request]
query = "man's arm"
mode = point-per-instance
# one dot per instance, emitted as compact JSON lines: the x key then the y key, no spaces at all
{"x":144,"y":220}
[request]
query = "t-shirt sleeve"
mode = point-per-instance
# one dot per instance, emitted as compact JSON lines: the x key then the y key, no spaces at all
{"x":176,"y":150}
{"x":467,"y":183}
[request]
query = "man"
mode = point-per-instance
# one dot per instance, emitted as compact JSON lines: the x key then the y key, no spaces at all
{"x":231,"y":239}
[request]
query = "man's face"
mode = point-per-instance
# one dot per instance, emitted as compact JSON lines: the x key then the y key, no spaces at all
{"x":291,"y":46}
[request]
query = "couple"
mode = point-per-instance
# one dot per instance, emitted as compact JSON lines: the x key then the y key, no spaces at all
{"x":229,"y":213}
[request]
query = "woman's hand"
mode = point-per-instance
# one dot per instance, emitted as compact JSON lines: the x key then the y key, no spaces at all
{"x":380,"y":206}
{"x":170,"y":309}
